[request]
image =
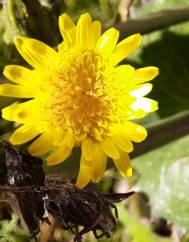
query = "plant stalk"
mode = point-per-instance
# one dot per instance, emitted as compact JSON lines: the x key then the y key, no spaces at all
{"x":152,"y":22}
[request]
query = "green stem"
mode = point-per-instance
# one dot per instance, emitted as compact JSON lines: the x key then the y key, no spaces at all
{"x":104,"y":7}
{"x":154,"y":21}
{"x":164,"y":131}
{"x":12,"y":23}
{"x":12,"y":18}
{"x":12,"y":13}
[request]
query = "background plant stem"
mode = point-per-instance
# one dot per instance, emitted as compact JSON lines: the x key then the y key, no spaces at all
{"x":154,"y":21}
{"x":164,"y":131}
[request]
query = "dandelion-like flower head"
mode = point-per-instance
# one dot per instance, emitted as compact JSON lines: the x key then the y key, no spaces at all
{"x":80,"y":96}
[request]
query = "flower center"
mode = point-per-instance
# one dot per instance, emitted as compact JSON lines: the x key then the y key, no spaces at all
{"x":78,"y":95}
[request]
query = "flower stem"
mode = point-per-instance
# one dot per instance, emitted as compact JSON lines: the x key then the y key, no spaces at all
{"x":163,"y":132}
{"x":156,"y":21}
{"x":10,"y":16}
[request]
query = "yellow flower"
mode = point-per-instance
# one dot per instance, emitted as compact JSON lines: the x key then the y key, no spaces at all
{"x":80,"y":96}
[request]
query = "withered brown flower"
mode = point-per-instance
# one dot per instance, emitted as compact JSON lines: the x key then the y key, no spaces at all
{"x":33,"y":196}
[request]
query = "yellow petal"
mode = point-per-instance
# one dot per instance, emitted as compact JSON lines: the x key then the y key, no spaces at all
{"x":87,"y":148}
{"x":10,"y":90}
{"x":97,"y":159}
{"x":99,"y":164}
{"x":145,"y":74}
{"x":67,"y":29}
{"x":145,"y":104}
{"x":124,"y":74}
{"x":21,"y":75}
{"x":8,"y":113}
{"x":123,"y":164}
{"x":123,"y":143}
{"x":95,"y":32}
{"x":62,"y":152}
{"x":24,"y":134}
{"x":58,"y":156}
{"x":63,"y":47}
{"x":110,"y":149}
{"x":141,"y":90}
{"x":36,"y":53}
{"x":135,"y":132}
{"x":22,"y":112}
{"x":108,"y":40}
{"x":84,"y":175}
{"x":126,"y":47}
{"x":83,"y":31}
{"x":42,"y":144}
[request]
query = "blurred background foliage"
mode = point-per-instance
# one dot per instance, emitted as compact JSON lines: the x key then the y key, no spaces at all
{"x":159,"y":212}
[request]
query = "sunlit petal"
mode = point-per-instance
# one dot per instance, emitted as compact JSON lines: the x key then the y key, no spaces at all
{"x":67,"y":29}
{"x":126,"y":47}
{"x":84,"y":175}
{"x":24,"y":134}
{"x":123,"y":165}
{"x":145,"y":74}
{"x":108,"y":40}
{"x":42,"y":144}
{"x":83,"y":31}
{"x":36,"y":53}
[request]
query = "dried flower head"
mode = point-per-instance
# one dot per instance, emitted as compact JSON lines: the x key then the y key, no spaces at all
{"x":80,"y":96}
{"x":23,"y":172}
{"x":33,"y":197}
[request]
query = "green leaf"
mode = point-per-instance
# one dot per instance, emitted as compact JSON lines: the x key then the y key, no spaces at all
{"x":11,"y":232}
{"x":164,"y":176}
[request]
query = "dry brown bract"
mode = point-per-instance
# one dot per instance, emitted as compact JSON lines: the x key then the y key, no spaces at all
{"x":35,"y":196}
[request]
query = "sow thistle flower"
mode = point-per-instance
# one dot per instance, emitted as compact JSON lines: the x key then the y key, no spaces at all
{"x":80,"y":96}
